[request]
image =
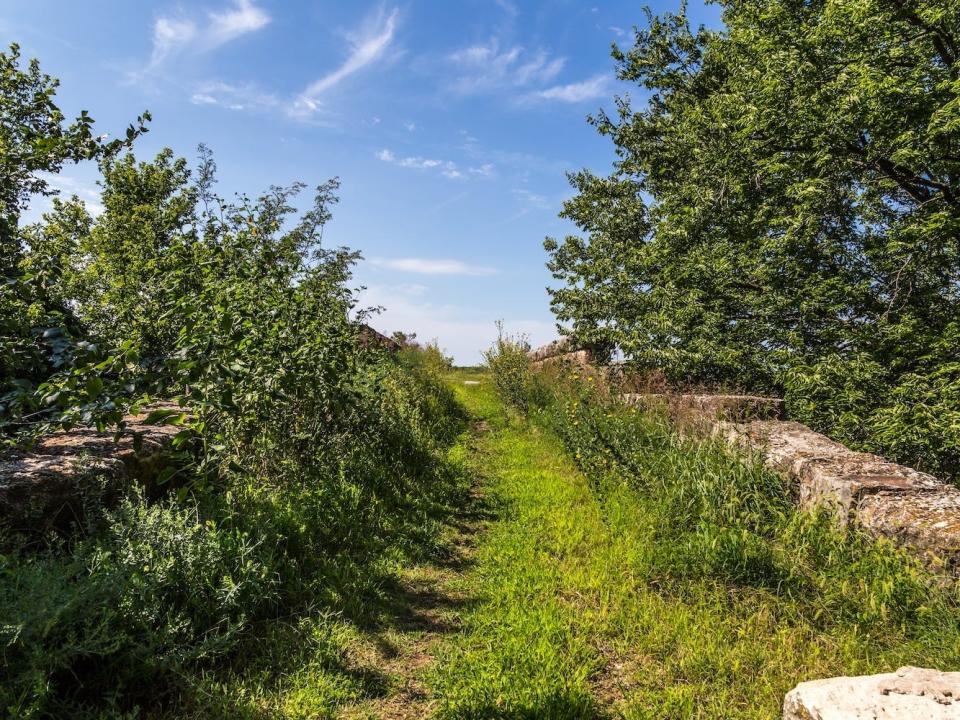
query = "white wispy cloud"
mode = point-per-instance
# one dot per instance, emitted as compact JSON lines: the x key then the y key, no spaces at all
{"x":174,"y":35}
{"x":244,"y":17}
{"x":233,"y":97}
{"x":432,"y":266}
{"x":591,"y":89}
{"x":368,"y":45}
{"x":487,"y":68}
{"x":412,"y":289}
{"x":447,"y":168}
{"x":485,"y":170}
{"x":532,"y":199}
{"x":169,"y":35}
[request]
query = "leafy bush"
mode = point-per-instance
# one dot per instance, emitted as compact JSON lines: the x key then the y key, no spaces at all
{"x":120,"y":613}
{"x":911,"y":417}
{"x":430,"y":356}
{"x":510,"y":366}
{"x":305,"y":457}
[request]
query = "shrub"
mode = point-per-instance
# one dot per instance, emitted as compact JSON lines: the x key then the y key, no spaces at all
{"x":509,"y":363}
{"x":120,"y":614}
{"x":306,"y":459}
{"x":913,"y":418}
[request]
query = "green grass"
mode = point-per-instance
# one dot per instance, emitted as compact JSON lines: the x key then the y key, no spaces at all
{"x":526,"y":651}
{"x":659,"y":592}
{"x":583,"y":563}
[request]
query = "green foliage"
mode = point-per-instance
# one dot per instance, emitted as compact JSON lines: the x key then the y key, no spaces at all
{"x":510,"y":366}
{"x":123,"y":612}
{"x":787,"y":199}
{"x":305,"y":460}
{"x":912,"y":416}
{"x":36,"y":325}
{"x":630,"y":572}
{"x":430,"y":356}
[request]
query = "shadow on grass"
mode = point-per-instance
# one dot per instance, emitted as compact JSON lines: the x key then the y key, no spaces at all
{"x":362,"y":596}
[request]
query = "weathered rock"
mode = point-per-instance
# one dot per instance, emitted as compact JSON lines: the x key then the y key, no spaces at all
{"x":580,"y":358}
{"x":52,"y":480}
{"x":928,"y":522}
{"x":910,"y":507}
{"x":908,"y":694}
{"x":562,"y":352}
{"x":709,"y":407}
{"x":829,"y":473}
{"x":372,"y":338}
{"x":551,"y":349}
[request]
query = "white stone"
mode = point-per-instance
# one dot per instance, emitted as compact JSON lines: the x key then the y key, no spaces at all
{"x":908,"y":694}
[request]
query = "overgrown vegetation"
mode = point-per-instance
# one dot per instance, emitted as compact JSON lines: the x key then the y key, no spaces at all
{"x":308,"y":463}
{"x":510,"y":367}
{"x":673,"y":578}
{"x":783,"y":214}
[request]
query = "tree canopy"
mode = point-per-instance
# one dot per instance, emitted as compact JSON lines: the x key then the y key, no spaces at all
{"x":783,"y":215}
{"x":35,"y":142}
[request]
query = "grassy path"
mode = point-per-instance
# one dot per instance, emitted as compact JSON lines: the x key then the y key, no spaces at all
{"x":505,"y":626}
{"x":529,"y":647}
{"x":543,"y":601}
{"x":571,"y":619}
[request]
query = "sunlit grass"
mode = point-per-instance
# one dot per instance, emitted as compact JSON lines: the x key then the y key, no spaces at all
{"x":675,"y":582}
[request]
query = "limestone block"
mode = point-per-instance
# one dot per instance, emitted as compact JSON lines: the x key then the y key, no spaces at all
{"x":928,"y":522}
{"x":39,"y":485}
{"x":908,"y":694}
{"x":580,"y":358}
{"x":829,"y":473}
{"x":552,"y":349}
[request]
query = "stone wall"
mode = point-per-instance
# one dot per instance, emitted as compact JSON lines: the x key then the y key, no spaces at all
{"x":49,"y":485}
{"x":862,"y":490}
{"x":911,"y":508}
{"x":372,"y":338}
{"x":560,"y":351}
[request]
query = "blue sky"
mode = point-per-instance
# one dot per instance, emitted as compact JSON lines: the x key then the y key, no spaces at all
{"x":450,"y":124}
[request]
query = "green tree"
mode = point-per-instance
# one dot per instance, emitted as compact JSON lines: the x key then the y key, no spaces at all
{"x":35,"y":142}
{"x":146,"y":231}
{"x":786,"y":200}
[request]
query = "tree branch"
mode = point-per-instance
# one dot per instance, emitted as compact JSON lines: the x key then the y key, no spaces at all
{"x":943,"y":43}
